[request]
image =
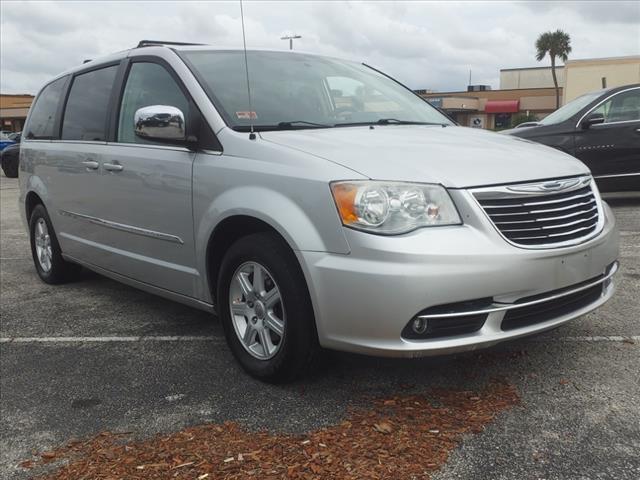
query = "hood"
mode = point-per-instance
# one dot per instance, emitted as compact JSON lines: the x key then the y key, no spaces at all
{"x":512,"y":131}
{"x":456,"y":157}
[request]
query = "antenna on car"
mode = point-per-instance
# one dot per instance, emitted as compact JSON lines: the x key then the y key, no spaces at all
{"x":252,"y":135}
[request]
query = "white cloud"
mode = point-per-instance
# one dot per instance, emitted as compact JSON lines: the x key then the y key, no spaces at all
{"x":423,"y":44}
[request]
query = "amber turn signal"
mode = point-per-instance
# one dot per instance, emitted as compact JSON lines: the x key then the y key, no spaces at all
{"x":345,"y":198}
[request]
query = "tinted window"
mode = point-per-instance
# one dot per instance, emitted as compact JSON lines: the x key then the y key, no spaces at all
{"x":622,"y":107}
{"x":147,"y":84}
{"x":85,"y":117}
{"x":43,"y":113}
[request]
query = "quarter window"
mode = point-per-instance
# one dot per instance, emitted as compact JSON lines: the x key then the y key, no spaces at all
{"x":42,"y":117}
{"x":85,"y":116}
{"x":622,"y":107}
{"x":147,"y":84}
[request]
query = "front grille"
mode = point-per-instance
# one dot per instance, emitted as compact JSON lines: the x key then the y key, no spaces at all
{"x":545,"y":219}
{"x":542,"y":312}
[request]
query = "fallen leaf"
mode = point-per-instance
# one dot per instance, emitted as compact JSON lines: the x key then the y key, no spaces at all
{"x":382,"y":427}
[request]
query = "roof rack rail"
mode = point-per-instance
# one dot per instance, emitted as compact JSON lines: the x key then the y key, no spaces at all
{"x":155,"y":43}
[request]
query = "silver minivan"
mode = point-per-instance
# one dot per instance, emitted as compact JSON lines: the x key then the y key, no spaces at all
{"x":325,"y":206}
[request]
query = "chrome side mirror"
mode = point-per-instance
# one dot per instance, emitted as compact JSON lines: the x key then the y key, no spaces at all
{"x":160,"y":122}
{"x":593,"y":119}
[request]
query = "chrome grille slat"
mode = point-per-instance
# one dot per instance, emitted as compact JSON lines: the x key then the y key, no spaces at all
{"x":554,"y":227}
{"x":561,"y":217}
{"x":535,"y":216}
{"x":528,"y":212}
{"x":528,"y":204}
{"x":551,"y":235}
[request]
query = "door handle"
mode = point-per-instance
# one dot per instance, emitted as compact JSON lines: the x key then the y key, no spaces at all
{"x":112,"y":167}
{"x":91,"y":165}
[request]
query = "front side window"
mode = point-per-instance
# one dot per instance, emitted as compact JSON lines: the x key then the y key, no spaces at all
{"x":623,"y":107}
{"x":85,"y":116}
{"x":147,"y":84}
{"x":43,"y":113}
{"x":304,"y":91}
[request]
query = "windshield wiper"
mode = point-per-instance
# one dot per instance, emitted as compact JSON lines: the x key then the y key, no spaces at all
{"x":388,"y":121}
{"x":395,"y":121}
{"x":302,"y":123}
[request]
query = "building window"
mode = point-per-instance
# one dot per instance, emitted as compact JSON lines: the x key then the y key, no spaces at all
{"x":502,"y":120}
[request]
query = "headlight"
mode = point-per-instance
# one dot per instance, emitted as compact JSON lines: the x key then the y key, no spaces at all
{"x":391,"y":208}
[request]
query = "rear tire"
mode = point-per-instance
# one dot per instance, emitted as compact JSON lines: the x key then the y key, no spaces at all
{"x":272,"y":331}
{"x":10,"y":167}
{"x":45,"y":249}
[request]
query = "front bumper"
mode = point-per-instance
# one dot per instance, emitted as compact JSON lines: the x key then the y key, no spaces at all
{"x":364,"y":300}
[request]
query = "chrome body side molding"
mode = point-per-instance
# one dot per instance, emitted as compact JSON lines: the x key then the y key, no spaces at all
{"x":124,"y":228}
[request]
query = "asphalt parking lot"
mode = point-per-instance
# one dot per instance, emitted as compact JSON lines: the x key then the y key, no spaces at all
{"x":96,"y":355}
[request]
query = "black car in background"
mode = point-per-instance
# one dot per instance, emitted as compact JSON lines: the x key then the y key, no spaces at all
{"x":10,"y":156}
{"x":600,"y":128}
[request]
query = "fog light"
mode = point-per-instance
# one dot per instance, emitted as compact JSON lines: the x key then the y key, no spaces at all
{"x":419,"y":325}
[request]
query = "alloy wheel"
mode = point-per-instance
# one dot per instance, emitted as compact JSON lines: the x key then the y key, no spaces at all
{"x":257,"y":310}
{"x":43,"y":245}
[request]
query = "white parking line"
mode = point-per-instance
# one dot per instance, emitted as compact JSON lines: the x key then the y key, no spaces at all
{"x":596,"y":338}
{"x":114,"y":339}
{"x":220,"y":340}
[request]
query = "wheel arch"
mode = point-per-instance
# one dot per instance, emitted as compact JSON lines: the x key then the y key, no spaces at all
{"x":32,"y":199}
{"x":35,"y":192}
{"x":248,"y":209}
{"x":225,"y":234}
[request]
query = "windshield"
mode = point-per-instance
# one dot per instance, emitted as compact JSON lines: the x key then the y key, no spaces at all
{"x":570,"y":109}
{"x":304,"y":91}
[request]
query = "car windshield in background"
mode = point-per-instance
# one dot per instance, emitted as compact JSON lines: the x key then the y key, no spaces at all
{"x":296,"y":91}
{"x":570,"y":109}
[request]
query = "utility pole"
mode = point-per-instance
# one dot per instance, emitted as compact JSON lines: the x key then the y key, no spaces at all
{"x":290,"y":38}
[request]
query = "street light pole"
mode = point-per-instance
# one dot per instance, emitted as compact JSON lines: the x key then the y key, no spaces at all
{"x":290,"y":38}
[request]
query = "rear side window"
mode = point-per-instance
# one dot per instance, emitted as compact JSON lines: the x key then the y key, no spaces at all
{"x":147,"y":84}
{"x":85,"y":116}
{"x":42,"y":117}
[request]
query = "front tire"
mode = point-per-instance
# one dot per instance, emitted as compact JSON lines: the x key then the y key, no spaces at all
{"x":45,"y":249}
{"x":265,"y":309}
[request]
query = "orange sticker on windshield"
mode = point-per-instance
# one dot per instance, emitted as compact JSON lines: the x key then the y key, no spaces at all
{"x":246,"y":115}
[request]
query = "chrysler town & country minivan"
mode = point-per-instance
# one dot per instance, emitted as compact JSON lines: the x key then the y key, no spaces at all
{"x":329,"y":207}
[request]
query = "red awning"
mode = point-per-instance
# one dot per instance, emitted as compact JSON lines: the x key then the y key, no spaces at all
{"x":501,"y":106}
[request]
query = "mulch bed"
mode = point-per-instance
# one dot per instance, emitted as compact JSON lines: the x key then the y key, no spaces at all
{"x":403,"y":437}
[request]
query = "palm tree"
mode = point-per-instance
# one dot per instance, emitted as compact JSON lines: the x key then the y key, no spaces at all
{"x":555,"y":44}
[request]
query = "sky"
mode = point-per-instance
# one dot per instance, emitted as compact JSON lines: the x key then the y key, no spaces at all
{"x":430,"y":45}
